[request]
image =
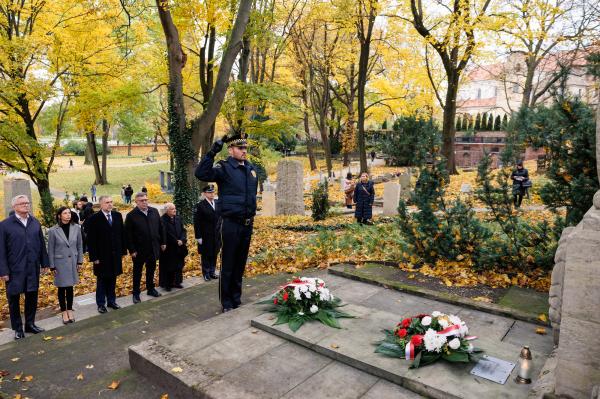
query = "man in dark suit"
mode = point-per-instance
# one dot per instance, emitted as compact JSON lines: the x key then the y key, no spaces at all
{"x":145,"y":240}
{"x":106,"y":245}
{"x":22,"y":252}
{"x":206,"y":226}
{"x":172,"y":259}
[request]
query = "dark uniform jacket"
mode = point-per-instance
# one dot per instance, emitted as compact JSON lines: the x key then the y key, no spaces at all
{"x":145,"y":234}
{"x":206,"y":226}
{"x":174,"y":230}
{"x":364,"y":195}
{"x":237,"y":185}
{"x":106,"y":243}
{"x":22,"y":253}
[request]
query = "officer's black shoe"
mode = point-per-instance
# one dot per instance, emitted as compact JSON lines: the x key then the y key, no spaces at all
{"x":33,"y":329}
{"x":214,"y":276}
{"x":114,"y":306}
{"x":153,"y":293}
{"x":168,"y":289}
{"x":102,"y":309}
{"x":136,"y":298}
{"x":177,"y":285}
{"x":207,"y":278}
{"x":19,"y":334}
{"x":225,"y":310}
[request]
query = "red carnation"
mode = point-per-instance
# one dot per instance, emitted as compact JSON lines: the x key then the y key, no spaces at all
{"x":401,"y":332}
{"x":417,"y":340}
{"x":285,"y":296}
{"x":275,"y":301}
{"x":406,"y":323}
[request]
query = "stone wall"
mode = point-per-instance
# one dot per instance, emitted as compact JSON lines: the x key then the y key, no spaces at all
{"x":575,"y":307}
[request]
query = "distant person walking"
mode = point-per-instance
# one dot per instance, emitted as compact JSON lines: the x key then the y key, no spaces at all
{"x":521,"y":182}
{"x":22,"y":256}
{"x":123,"y":194}
{"x":349,"y":187}
{"x":364,"y":195}
{"x":70,"y":163}
{"x":144,"y":190}
{"x":145,"y":240}
{"x":106,"y":242}
{"x":93,"y":191}
{"x":128,"y":194}
{"x":172,"y":258}
{"x":373,"y":154}
{"x":65,"y":252}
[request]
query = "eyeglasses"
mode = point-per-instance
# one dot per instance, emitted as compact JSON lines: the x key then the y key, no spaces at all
{"x":22,"y":203}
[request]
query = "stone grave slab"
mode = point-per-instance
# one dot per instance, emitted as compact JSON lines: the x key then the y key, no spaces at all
{"x":353,"y":345}
{"x":224,"y":357}
{"x":391,"y":198}
{"x":268,"y":203}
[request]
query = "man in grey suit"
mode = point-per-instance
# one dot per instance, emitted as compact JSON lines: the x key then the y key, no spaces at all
{"x":22,"y":256}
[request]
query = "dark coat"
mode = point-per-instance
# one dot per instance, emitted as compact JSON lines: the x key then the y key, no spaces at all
{"x":206,"y":226}
{"x":128,"y":191}
{"x":172,"y":257}
{"x":145,"y":234}
{"x":106,"y":243}
{"x":22,"y":253}
{"x":86,"y":211}
{"x":364,"y":195}
{"x":519,"y":186}
{"x":237,"y":183}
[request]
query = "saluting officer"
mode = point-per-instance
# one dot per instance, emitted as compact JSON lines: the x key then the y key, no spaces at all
{"x":237,"y":182}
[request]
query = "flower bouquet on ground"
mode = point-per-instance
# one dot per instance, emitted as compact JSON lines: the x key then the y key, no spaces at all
{"x":305,"y":299}
{"x":425,"y":339}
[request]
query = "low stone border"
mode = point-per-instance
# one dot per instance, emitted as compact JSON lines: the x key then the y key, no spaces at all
{"x":339,"y":269}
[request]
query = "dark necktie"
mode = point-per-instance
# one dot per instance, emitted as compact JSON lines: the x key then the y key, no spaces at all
{"x":109,"y":219}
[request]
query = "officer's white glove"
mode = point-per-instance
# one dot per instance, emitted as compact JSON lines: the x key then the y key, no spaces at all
{"x":199,"y":241}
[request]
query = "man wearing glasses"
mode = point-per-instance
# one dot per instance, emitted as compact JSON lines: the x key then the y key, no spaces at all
{"x":22,"y":256}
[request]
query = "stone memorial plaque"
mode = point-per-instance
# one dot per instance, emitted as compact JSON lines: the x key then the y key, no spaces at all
{"x":493,"y":369}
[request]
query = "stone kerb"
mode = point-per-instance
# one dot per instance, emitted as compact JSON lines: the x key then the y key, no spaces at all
{"x":578,"y":312}
{"x":289,"y":194}
{"x":14,"y":187}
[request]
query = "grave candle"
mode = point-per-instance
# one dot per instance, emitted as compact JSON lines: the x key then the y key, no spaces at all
{"x":525,"y":367}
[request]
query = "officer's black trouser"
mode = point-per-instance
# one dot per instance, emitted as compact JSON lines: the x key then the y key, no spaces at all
{"x":138,"y":265}
{"x":209,"y":263}
{"x":16,"y":323}
{"x":235,"y":238}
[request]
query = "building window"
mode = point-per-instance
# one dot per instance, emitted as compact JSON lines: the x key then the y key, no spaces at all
{"x":495,"y":149}
{"x":515,"y":88}
{"x":466,"y":148}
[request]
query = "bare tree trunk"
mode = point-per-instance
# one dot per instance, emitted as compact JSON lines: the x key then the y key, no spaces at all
{"x":91,"y":142}
{"x":448,"y":125}
{"x":154,"y":149}
{"x":105,"y":132}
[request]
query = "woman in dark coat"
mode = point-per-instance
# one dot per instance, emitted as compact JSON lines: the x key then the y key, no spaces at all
{"x":172,"y":258}
{"x":65,"y":251}
{"x":521,"y":183}
{"x":364,"y":195}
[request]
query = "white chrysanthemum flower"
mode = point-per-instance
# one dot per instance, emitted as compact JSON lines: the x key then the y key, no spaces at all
{"x":455,"y":319}
{"x":443,"y":323}
{"x":464,"y":330}
{"x":325,"y":295}
{"x":303,"y":288}
{"x":312,"y":288}
{"x":314,"y":309}
{"x":454,"y":344}
{"x":426,"y":321}
{"x":307,"y":294}
{"x":433,"y":341}
{"x":301,"y":313}
{"x":436,"y":313}
{"x":297,"y":294}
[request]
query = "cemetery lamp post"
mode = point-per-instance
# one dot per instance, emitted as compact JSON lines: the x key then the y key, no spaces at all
{"x":525,"y":367}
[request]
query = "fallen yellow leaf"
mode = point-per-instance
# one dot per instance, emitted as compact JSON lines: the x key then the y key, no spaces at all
{"x":540,"y":330}
{"x":482,"y":299}
{"x":17,"y":396}
{"x":89,"y":366}
{"x":15,"y":359}
{"x":165,"y":396}
{"x":543,"y":317}
{"x":335,"y":346}
{"x":59,"y":338}
{"x":28,"y":378}
{"x":80,"y":377}
{"x":113,"y":385}
{"x":177,"y":369}
{"x":48,"y":338}
{"x":17,"y":377}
